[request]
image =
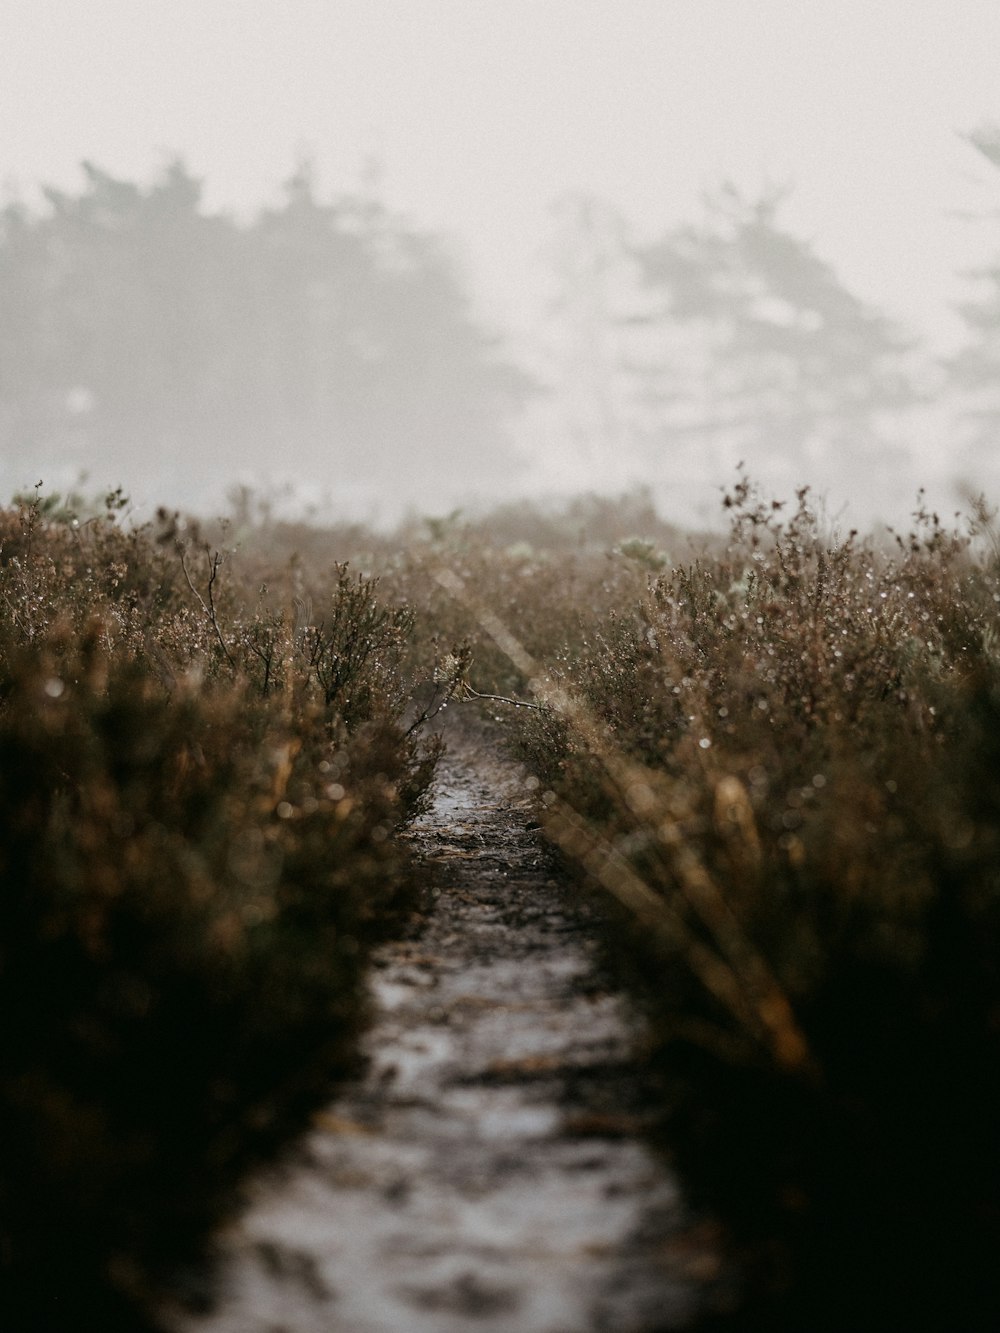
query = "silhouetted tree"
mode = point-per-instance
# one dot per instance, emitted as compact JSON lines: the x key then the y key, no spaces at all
{"x":724,"y":340}
{"x":323,"y":339}
{"x":750,"y":345}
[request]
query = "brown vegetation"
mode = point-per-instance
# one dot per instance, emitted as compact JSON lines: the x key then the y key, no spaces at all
{"x":198,"y":802}
{"x":782,"y":762}
{"x":774,"y":757}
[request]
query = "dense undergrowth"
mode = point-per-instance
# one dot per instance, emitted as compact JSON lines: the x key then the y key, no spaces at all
{"x":782,"y":763}
{"x":776,"y":757}
{"x":200,"y":789}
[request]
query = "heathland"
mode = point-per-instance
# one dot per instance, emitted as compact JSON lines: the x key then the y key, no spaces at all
{"x":771,"y":758}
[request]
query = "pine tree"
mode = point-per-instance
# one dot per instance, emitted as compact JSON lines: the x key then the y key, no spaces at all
{"x":142,"y":335}
{"x":753,"y":349}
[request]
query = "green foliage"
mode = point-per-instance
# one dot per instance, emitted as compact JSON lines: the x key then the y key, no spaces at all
{"x":196,"y":852}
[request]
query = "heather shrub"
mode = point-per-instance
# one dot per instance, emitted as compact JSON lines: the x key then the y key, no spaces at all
{"x":552,"y":570}
{"x":199,"y":805}
{"x":466,"y":584}
{"x":781,"y":763}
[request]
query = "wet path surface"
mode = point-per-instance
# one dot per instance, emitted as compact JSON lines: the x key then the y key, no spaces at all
{"x":486,"y":1171}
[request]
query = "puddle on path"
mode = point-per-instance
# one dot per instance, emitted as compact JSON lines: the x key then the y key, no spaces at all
{"x":481,"y":1174}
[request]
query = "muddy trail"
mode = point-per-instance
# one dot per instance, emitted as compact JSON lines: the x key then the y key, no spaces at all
{"x":487,"y":1171}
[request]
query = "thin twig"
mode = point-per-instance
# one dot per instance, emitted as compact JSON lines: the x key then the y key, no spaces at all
{"x":208,"y":607}
{"x":438,"y":701}
{"x":470,"y":693}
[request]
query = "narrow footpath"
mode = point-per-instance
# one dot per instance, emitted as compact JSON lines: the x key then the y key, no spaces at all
{"x":487,"y":1171}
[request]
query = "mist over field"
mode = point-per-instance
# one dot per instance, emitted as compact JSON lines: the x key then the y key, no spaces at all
{"x":494,"y":830}
{"x":439,"y":258}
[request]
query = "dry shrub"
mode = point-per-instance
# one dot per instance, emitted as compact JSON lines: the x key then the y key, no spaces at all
{"x":198,"y":810}
{"x":783,"y":762}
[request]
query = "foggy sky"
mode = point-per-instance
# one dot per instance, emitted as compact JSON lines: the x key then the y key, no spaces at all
{"x":482,"y":112}
{"x":474,"y":115}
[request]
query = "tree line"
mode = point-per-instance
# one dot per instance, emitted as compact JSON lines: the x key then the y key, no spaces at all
{"x":319,"y":338}
{"x":331,"y":339}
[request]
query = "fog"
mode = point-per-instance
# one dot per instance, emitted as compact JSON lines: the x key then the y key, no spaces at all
{"x":365,"y":260}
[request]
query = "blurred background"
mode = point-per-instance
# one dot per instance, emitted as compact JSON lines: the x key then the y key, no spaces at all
{"x":365,"y":259}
